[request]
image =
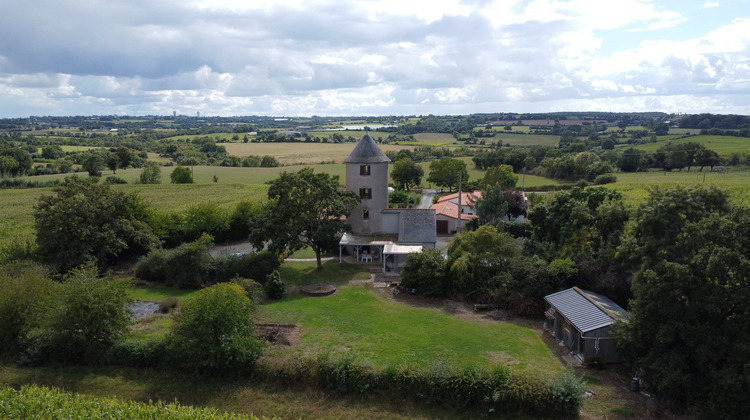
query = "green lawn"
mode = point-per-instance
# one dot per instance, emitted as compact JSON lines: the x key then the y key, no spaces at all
{"x":296,"y":273}
{"x":159,"y":293}
{"x":360,"y":322}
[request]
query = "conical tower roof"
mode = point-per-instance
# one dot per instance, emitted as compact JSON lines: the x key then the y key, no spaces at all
{"x":367,"y":151}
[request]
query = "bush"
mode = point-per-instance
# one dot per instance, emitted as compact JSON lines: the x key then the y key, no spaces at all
{"x":252,"y":266}
{"x":181,"y":175}
{"x":213,"y":331}
{"x":41,"y":402}
{"x":87,"y":316}
{"x":207,"y":218}
{"x":251,"y":287}
{"x":168,"y":304}
{"x":111,"y":180}
{"x":605,"y":179}
{"x":498,"y":391}
{"x":151,"y":173}
{"x":274,"y":287}
{"x":426,"y":272}
{"x":24,"y":290}
{"x":186,"y":266}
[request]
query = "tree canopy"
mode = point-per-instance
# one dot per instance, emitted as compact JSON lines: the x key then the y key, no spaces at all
{"x":501,"y":176}
{"x":181,"y":175}
{"x":444,"y":172}
{"x":86,"y":222}
{"x":689,"y":326}
{"x":305,"y":209}
{"x":405,"y":173}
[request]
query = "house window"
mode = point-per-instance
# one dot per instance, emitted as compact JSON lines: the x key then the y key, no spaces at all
{"x":364,"y":170}
{"x":365,"y":193}
{"x":365,"y":214}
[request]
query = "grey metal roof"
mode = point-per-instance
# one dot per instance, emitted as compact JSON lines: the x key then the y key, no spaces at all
{"x":587,"y":311}
{"x":417,"y":226}
{"x":367,"y":151}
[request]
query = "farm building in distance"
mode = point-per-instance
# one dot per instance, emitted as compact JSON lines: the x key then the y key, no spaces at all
{"x":379,"y":233}
{"x":582,"y":321}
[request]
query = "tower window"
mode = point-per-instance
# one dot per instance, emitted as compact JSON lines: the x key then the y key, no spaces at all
{"x":364,"y":170}
{"x":365,"y":214}
{"x":365,"y":193}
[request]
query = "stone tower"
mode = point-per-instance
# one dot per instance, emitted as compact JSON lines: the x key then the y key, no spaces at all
{"x":367,"y":176}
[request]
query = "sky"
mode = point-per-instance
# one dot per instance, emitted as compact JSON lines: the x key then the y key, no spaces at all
{"x":372,"y":57}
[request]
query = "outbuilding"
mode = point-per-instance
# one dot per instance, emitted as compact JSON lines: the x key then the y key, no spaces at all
{"x":582,"y":320}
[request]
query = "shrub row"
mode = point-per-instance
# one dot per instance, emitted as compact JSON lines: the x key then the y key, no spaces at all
{"x":191,"y":266}
{"x":496,"y":391}
{"x":222,"y":224}
{"x":20,"y":183}
{"x":43,"y":402}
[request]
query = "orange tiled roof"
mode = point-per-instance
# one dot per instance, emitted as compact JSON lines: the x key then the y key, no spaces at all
{"x":450,"y":209}
{"x":467,"y":197}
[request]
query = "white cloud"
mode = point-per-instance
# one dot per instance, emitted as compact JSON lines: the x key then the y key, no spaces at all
{"x":329,"y":57}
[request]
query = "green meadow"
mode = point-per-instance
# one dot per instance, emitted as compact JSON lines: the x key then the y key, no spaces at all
{"x":723,"y":145}
{"x":634,"y":185}
{"x":515,"y":139}
{"x":362,"y":322}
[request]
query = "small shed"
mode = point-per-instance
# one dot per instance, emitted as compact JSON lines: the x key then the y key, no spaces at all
{"x":581,"y":320}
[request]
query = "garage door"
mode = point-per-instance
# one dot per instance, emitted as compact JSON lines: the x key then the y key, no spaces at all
{"x":442,"y":226}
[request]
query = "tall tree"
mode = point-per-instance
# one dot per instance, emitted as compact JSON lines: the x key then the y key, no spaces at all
{"x":305,"y":209}
{"x":445,"y":172}
{"x":501,"y":176}
{"x":406,"y":173}
{"x":689,"y":326}
{"x":125,"y":157}
{"x":85,"y":222}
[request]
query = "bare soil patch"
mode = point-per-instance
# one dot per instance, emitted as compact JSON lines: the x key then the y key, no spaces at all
{"x":279,"y":335}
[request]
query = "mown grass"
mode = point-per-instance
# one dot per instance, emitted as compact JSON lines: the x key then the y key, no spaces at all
{"x":361,"y":323}
{"x":309,"y":253}
{"x":159,"y":293}
{"x":296,"y":273}
{"x":223,"y":394}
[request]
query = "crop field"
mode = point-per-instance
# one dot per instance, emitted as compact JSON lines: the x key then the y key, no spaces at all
{"x":433,"y":139}
{"x":16,"y":206}
{"x":527,"y":139}
{"x":634,"y":185}
{"x":300,"y":153}
{"x":723,"y":145}
{"x":373,"y":328}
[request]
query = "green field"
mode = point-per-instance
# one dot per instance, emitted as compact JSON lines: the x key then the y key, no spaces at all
{"x":527,"y":139}
{"x":633,"y":185}
{"x":372,"y":328}
{"x":433,"y":139}
{"x":300,"y":153}
{"x":723,"y":145}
